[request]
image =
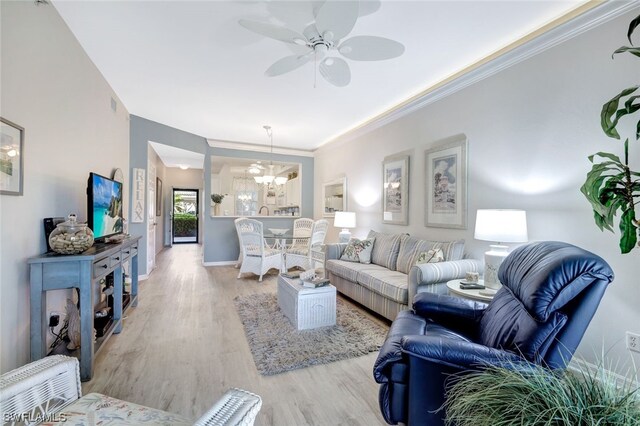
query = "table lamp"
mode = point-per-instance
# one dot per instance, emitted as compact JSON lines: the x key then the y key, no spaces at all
{"x":344,"y":220}
{"x":501,"y":226}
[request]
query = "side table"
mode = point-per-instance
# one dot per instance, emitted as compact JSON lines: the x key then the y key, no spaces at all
{"x":51,"y":271}
{"x":485,"y":295}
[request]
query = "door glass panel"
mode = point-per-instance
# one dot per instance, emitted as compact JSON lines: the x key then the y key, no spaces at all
{"x":185,"y":216}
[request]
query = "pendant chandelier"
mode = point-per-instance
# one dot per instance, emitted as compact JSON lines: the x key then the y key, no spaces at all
{"x":268,"y":179}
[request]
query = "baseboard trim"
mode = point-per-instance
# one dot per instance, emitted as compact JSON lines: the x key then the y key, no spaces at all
{"x":581,"y":366}
{"x":143,"y":277}
{"x":224,"y":263}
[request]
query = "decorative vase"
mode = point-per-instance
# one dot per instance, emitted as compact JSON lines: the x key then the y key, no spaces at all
{"x":216,"y":209}
{"x":71,"y":237}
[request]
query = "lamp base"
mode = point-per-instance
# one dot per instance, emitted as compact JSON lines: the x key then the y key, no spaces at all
{"x":492,"y":261}
{"x":344,"y":236}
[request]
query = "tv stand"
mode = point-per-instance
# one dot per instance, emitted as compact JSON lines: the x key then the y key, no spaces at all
{"x":52,"y":271}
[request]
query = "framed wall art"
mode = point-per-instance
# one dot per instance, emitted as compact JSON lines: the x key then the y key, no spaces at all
{"x":446,"y":183}
{"x":11,"y":158}
{"x":395,"y":190}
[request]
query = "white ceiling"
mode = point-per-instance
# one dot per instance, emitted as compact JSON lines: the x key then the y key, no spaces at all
{"x":190,"y":65}
{"x":176,"y":157}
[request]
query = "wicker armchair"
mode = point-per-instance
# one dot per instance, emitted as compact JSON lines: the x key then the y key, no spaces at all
{"x":302,"y":255}
{"x":48,"y":390}
{"x":257,"y":256}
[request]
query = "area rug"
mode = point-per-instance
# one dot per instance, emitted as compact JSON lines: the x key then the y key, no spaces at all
{"x":278,"y":347}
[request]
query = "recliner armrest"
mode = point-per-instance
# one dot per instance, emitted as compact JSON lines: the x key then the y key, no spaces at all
{"x":430,"y":274}
{"x":406,"y":323}
{"x":450,"y":311}
{"x":456,"y":353}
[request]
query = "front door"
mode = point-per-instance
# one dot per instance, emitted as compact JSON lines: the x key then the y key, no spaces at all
{"x":186,"y":205}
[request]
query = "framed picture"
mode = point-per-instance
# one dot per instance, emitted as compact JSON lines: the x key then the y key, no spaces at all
{"x":11,"y":158}
{"x":158,"y":197}
{"x":395,"y":190}
{"x":446,"y":183}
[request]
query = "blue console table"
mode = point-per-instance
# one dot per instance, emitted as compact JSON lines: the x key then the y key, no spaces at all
{"x":52,"y":271}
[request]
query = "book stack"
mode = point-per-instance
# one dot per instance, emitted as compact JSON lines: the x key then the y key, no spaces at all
{"x":315,"y":282}
{"x":291,"y":275}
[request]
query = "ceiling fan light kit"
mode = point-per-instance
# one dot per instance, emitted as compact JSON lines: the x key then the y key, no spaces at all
{"x":333,"y":20}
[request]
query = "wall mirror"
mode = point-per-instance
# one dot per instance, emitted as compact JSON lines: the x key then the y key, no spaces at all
{"x":255,"y":188}
{"x":334,"y":197}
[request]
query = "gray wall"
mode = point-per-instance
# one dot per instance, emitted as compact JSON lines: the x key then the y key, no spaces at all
{"x":52,"y":89}
{"x":530,"y":129}
{"x":143,"y":131}
{"x":221,"y":240}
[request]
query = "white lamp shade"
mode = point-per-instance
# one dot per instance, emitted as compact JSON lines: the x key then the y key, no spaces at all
{"x":344,"y":220}
{"x":258,"y":179}
{"x":504,"y":226}
{"x":267,"y":179}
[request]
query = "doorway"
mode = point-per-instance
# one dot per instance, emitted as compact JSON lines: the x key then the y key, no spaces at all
{"x":185,"y":221}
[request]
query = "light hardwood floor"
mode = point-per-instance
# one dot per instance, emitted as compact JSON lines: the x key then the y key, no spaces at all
{"x":183,"y":346}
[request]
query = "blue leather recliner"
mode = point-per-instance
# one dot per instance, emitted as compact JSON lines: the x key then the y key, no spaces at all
{"x":550,"y":292}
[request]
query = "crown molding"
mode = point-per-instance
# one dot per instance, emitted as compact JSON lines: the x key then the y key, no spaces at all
{"x":568,"y":26}
{"x":214,"y":143}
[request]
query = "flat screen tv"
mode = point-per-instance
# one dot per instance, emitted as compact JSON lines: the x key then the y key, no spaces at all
{"x":104,"y":206}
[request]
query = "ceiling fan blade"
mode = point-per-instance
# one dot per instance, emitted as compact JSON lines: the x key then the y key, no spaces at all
{"x":367,"y":7}
{"x":336,"y":71}
{"x":286,"y":64}
{"x":370,"y":48}
{"x":272,"y":31}
{"x":336,"y":18}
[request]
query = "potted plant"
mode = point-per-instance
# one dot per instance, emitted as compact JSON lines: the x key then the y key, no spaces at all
{"x":611,"y":185}
{"x":217,"y":199}
{"x":528,"y":395}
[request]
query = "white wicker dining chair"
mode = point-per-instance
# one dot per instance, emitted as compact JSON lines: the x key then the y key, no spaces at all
{"x":302,"y":256}
{"x":239,"y":262}
{"x":48,"y":390}
{"x":257,"y":256}
{"x":302,"y":229}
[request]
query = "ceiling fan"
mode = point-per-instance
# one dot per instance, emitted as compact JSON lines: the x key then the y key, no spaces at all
{"x":256,"y":168}
{"x":324,"y":38}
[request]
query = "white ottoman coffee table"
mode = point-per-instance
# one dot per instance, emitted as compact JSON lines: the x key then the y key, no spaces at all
{"x":307,"y":307}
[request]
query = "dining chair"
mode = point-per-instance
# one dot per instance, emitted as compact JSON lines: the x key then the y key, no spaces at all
{"x":302,"y":229}
{"x":257,"y":256}
{"x":302,"y":255}
{"x":239,"y":262}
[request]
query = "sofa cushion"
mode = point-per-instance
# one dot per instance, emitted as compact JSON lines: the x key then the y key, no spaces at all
{"x":430,"y":256}
{"x":385,"y":249}
{"x":411,"y":247}
{"x":358,"y":250}
{"x":390,"y":284}
{"x":347,"y":270}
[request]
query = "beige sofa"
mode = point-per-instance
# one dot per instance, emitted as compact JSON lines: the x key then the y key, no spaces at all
{"x":387,"y":285}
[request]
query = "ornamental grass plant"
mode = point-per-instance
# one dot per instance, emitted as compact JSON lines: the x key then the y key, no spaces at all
{"x":525,"y":395}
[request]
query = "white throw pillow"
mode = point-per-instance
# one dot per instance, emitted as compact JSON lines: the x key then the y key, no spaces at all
{"x":358,"y":250}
